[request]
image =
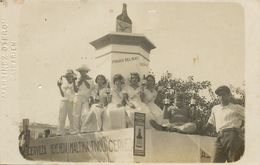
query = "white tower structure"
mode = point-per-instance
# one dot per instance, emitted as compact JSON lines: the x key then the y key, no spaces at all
{"x":122,"y":52}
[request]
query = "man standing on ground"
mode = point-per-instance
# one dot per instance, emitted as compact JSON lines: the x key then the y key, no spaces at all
{"x":228,"y":119}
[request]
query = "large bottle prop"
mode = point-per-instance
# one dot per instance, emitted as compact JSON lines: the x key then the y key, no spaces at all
{"x":123,"y":22}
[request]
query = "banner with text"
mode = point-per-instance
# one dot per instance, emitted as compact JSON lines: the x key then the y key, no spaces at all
{"x":109,"y":146}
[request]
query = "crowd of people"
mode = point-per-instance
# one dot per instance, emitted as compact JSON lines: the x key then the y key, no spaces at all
{"x":91,"y":105}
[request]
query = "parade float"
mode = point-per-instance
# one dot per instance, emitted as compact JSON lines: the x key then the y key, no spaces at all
{"x":129,"y":145}
{"x":130,"y":51}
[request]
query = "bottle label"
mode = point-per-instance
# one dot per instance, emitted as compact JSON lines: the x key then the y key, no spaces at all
{"x":122,"y":26}
{"x":139,"y":143}
{"x":144,"y":81}
{"x":108,"y":91}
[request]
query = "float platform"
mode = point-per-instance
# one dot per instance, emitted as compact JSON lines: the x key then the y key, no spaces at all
{"x":121,"y":146}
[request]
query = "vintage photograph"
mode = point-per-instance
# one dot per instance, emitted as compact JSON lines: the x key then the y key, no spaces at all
{"x":130,"y":81}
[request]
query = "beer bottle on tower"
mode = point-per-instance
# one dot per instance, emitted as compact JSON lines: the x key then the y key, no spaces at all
{"x":123,"y":22}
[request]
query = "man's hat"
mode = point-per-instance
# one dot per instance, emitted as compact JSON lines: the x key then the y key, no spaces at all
{"x":83,"y":67}
{"x":222,"y":88}
{"x":69,"y":72}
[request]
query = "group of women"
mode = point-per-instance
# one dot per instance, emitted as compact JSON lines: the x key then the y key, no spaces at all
{"x":116,"y":107}
{"x":97,"y":107}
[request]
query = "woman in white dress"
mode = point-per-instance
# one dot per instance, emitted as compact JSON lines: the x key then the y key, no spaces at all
{"x":134,"y":101}
{"x":98,"y":102}
{"x":150,"y":95}
{"x":114,"y":117}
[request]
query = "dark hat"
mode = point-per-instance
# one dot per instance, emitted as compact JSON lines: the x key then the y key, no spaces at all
{"x":222,"y":88}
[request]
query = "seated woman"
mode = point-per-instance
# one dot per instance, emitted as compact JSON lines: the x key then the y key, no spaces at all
{"x":134,"y":100}
{"x":150,"y":95}
{"x":115,"y":116}
{"x":94,"y":121}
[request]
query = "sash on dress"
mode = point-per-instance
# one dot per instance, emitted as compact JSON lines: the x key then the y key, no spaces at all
{"x":134,"y":93}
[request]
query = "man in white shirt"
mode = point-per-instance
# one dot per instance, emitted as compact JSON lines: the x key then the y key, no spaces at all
{"x":66,"y":106}
{"x":228,"y":119}
{"x":83,"y":88}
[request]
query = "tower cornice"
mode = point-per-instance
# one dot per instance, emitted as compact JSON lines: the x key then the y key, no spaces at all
{"x":120,"y":38}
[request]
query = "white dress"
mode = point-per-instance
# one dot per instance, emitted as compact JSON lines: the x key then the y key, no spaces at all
{"x":114,"y":117}
{"x":156,"y":112}
{"x":135,"y":99}
{"x":92,"y":119}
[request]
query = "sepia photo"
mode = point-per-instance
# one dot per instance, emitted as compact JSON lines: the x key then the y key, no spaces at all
{"x":129,"y":82}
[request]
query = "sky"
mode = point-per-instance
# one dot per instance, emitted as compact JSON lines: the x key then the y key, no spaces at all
{"x":55,"y":36}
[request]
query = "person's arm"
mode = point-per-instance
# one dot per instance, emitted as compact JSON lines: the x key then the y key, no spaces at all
{"x":240,"y":112}
{"x":155,"y":96}
{"x":127,"y":101}
{"x":61,"y":91}
{"x":142,"y":95}
{"x":75,"y":87}
{"x":21,"y":134}
{"x":209,"y":127}
{"x":242,"y":130}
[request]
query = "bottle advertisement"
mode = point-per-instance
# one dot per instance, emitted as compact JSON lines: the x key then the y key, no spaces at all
{"x":139,"y":134}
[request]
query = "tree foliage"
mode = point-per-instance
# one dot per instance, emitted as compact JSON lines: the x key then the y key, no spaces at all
{"x":204,"y":105}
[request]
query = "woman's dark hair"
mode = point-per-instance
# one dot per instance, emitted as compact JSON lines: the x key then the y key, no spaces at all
{"x":135,"y":74}
{"x":117,"y":77}
{"x":103,"y":77}
{"x":149,"y":75}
